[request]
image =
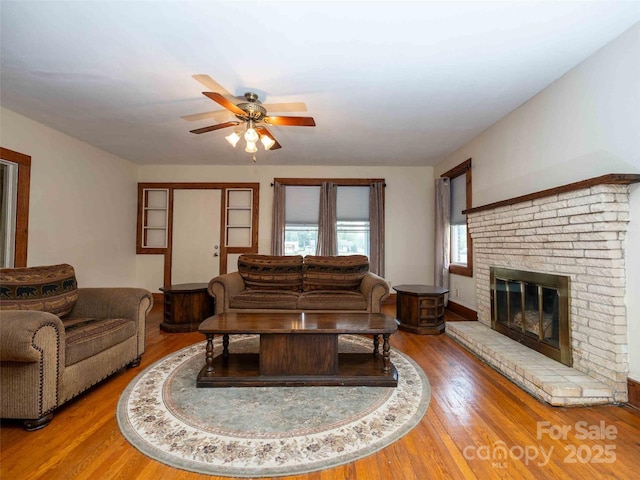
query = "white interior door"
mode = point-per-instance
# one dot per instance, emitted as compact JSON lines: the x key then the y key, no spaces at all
{"x":196,"y":236}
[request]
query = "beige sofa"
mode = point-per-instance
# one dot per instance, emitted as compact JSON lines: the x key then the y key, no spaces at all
{"x":294,"y":283}
{"x":57,"y":340}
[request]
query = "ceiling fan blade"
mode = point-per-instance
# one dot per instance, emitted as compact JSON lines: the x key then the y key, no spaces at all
{"x":214,"y":127}
{"x":292,"y":121}
{"x":263,"y":131}
{"x":285,"y":107}
{"x":217,"y":114}
{"x":212,"y":85}
{"x":216,"y":97}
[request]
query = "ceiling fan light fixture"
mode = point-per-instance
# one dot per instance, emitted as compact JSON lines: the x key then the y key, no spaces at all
{"x":267,"y":141}
{"x":251,"y":135}
{"x":248,"y":114}
{"x":251,"y":147}
{"x":233,"y":139}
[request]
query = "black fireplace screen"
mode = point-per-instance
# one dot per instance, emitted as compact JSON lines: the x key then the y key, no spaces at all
{"x":532,"y":308}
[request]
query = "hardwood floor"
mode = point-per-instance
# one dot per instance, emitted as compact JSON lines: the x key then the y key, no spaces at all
{"x":474,"y":412}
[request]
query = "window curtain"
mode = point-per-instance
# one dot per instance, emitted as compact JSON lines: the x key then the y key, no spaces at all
{"x":376,"y":228}
{"x":442,"y":233}
{"x":277,"y":220}
{"x":327,"y":224}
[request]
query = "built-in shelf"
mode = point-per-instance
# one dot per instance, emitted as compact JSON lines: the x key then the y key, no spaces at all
{"x":155,"y":218}
{"x":238,"y":218}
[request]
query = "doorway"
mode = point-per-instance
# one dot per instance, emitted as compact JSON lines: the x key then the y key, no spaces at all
{"x":196,"y":236}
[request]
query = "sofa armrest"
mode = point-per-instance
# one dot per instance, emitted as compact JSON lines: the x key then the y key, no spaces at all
{"x":375,"y":289}
{"x":112,"y":303}
{"x":115,"y":302}
{"x":224,"y":286}
{"x":26,"y":334}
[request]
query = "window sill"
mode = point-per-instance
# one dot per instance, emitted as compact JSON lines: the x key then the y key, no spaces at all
{"x":464,"y":270}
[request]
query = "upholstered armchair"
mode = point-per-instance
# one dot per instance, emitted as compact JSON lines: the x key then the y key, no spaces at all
{"x":57,"y":340}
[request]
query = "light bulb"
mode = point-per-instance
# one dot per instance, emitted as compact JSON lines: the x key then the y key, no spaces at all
{"x":251,"y":147}
{"x":268,"y":142}
{"x":251,"y":135}
{"x":232,"y":139}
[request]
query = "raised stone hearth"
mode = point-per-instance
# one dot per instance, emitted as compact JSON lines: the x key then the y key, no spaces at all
{"x":544,"y":378}
{"x":577,"y":230}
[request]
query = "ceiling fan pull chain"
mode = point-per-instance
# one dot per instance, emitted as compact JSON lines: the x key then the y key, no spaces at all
{"x":254,"y":158}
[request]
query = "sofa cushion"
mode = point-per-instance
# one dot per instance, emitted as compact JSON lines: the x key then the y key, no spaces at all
{"x":334,"y":272}
{"x":282,"y":299}
{"x":86,"y":337}
{"x":332,"y":300}
{"x":51,"y":288}
{"x":268,"y":272}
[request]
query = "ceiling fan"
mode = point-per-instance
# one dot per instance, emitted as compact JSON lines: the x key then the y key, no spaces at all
{"x":251,"y":116}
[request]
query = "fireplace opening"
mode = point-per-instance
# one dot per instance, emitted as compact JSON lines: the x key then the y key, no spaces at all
{"x":533,"y":309}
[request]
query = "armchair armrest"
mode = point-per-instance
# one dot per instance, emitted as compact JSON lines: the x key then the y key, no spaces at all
{"x":375,"y":289}
{"x":26,"y":334}
{"x":224,"y":286}
{"x":32,"y":349}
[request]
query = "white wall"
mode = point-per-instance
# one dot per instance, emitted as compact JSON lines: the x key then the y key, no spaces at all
{"x":82,"y":207}
{"x":585,"y":124}
{"x":408,"y":206}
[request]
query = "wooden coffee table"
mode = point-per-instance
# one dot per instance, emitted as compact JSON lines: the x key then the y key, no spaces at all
{"x":298,"y":349}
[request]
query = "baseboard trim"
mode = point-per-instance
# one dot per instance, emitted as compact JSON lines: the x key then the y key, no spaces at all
{"x":463,"y":311}
{"x":633,"y":387}
{"x":390,"y":300}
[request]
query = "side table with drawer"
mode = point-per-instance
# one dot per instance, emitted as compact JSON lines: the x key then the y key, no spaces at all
{"x":185,"y":306}
{"x":420,"y":308}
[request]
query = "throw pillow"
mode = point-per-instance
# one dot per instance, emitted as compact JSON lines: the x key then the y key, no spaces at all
{"x":268,"y":272}
{"x":334,"y":272}
{"x":51,"y":288}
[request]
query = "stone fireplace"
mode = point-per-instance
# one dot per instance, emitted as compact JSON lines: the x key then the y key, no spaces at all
{"x":578,"y":232}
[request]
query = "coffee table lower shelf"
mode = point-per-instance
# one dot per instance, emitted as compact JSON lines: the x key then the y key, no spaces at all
{"x":242,"y":370}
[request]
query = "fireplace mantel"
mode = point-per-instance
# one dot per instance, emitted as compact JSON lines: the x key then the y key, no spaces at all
{"x":609,"y":179}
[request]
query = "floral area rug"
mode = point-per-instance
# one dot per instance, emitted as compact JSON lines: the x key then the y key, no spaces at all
{"x":265,"y":431}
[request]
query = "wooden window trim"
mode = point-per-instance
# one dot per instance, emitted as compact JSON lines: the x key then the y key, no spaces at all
{"x":224,"y":250}
{"x":22,"y":203}
{"x":341,"y":182}
{"x":463,"y":169}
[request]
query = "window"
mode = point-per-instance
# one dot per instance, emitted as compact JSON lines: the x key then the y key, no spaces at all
{"x":302,"y":206}
{"x":8,"y":197}
{"x":15,"y":174}
{"x":352,"y":220}
{"x":461,"y":262}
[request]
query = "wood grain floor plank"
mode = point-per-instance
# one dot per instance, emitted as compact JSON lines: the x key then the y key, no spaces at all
{"x":473,"y":408}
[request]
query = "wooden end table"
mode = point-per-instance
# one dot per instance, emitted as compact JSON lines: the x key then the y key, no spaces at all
{"x":420,"y":308}
{"x":298,"y":349}
{"x":185,"y":306}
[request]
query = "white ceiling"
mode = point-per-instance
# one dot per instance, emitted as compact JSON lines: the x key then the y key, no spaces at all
{"x":388,"y":83}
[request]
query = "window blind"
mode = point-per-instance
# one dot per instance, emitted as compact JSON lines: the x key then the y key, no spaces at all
{"x":458,"y":200}
{"x":352,"y":204}
{"x":302,"y":205}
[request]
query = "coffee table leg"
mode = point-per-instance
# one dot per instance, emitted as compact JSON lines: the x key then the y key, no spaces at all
{"x":225,"y":347}
{"x":209,"y":352}
{"x":376,"y":344}
{"x":386,"y":356}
